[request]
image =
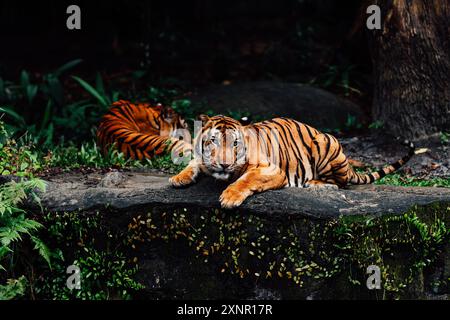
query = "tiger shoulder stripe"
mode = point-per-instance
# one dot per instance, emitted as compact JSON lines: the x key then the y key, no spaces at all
{"x":140,"y":130}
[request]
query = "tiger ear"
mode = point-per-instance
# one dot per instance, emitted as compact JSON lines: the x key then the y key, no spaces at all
{"x":168,"y":114}
{"x":245,"y":121}
{"x":204,"y":118}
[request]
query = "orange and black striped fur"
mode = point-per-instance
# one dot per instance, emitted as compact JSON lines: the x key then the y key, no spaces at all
{"x":140,"y":130}
{"x":272,"y":154}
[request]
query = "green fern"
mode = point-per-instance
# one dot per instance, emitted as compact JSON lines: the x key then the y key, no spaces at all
{"x":13,"y":193}
{"x":42,"y":248}
{"x":14,"y":224}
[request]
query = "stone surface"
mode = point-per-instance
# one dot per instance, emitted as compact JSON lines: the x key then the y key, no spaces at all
{"x":121,"y":190}
{"x":304,"y":103}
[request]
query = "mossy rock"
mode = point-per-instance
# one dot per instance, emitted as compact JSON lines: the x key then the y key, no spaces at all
{"x":290,"y":244}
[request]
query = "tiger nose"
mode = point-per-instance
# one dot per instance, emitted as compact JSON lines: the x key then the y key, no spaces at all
{"x":225,"y":165}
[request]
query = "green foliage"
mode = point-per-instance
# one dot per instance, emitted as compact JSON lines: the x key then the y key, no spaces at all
{"x":106,"y":272}
{"x":13,"y":221}
{"x":109,"y":272}
{"x":38,"y":122}
{"x":172,"y":97}
{"x":164,"y":163}
{"x":444,"y":137}
{"x":352,"y":123}
{"x":339,"y":77}
{"x":24,"y":158}
{"x":432,"y":236}
{"x":397,"y":179}
{"x":376,"y":125}
{"x":189,"y":110}
{"x":43,"y":106}
{"x":104,"y":276}
{"x":416,"y":238}
{"x":16,"y":158}
{"x":87,"y":155}
{"x":14,"y":225}
{"x":160,"y":95}
{"x":39,"y":99}
{"x":14,"y":288}
{"x":186,"y":108}
{"x":99,"y":92}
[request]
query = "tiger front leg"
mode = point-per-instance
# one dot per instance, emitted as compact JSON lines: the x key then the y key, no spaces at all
{"x":321,"y":185}
{"x":253,"y":181}
{"x":187,"y":176}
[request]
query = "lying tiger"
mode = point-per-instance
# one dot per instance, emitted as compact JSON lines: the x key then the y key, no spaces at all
{"x":270,"y":155}
{"x":140,"y":130}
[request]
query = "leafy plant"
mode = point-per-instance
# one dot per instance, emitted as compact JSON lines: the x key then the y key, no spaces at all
{"x":352,"y":123}
{"x":376,"y":125}
{"x":87,"y":155}
{"x":18,"y":159}
{"x":163,"y":96}
{"x":106,"y":272}
{"x":338,"y":77}
{"x":99,"y":92}
{"x":398,"y":179}
{"x":418,"y":237}
{"x":13,"y":221}
{"x":431,"y":236}
{"x":31,"y":105}
{"x":25,"y":158}
{"x":13,"y":288}
{"x":104,"y":276}
{"x":444,"y":137}
{"x":14,"y":225}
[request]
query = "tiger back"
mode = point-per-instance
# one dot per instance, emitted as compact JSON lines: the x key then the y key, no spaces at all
{"x":139,"y":130}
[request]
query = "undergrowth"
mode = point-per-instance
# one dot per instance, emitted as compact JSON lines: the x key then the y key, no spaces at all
{"x":397,"y":179}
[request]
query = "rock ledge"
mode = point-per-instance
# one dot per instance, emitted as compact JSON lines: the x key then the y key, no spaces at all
{"x":122,"y":190}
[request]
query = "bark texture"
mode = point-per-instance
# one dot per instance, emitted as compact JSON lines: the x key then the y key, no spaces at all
{"x":411,"y":60}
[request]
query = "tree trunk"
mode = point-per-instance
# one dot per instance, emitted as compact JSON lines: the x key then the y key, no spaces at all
{"x":411,"y":59}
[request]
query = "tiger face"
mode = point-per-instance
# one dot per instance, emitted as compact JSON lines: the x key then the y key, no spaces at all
{"x":223,"y":147}
{"x":170,"y":122}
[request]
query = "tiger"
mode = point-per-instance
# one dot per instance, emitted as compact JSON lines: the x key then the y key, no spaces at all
{"x":269,"y":155}
{"x":140,"y":130}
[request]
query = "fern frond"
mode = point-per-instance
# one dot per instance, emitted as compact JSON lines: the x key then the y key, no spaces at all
{"x":42,"y":248}
{"x":8,"y":235}
{"x":15,"y":226}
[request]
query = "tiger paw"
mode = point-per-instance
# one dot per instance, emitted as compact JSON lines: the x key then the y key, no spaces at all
{"x":322,"y":186}
{"x":231,"y":198}
{"x":181,"y":180}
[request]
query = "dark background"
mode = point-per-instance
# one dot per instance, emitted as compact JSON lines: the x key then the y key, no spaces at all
{"x":196,"y":41}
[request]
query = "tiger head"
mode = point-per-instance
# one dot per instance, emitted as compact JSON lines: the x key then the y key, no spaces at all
{"x":223,"y":147}
{"x":170,"y":121}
